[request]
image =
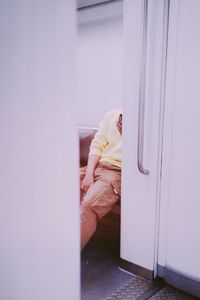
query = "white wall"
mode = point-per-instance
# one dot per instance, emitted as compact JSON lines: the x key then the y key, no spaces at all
{"x":99,"y":62}
{"x":39,"y":252}
{"x":179,"y":245}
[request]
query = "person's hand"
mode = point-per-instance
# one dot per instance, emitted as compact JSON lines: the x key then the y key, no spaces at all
{"x":87,"y":182}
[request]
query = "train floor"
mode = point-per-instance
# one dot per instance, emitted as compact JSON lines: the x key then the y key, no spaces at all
{"x":102,"y":279}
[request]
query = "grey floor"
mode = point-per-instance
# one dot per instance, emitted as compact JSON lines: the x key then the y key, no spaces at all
{"x":101,"y":278}
{"x":100,"y":273}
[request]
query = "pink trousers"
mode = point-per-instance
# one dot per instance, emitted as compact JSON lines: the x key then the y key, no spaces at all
{"x":99,"y":199}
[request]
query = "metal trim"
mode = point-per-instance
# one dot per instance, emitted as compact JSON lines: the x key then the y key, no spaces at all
{"x":165,"y":38}
{"x":136,"y":269}
{"x":82,"y":4}
{"x":180,"y":281}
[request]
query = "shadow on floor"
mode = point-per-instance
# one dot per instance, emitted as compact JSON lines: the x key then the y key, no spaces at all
{"x":101,"y":278}
{"x":100,"y":273}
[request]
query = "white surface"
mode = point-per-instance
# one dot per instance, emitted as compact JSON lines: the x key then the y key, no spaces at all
{"x":180,"y":205}
{"x":99,"y":69}
{"x":39,"y":219}
{"x":139,"y":192}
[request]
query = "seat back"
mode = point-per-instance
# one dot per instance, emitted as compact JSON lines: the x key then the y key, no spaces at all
{"x":85,"y":137}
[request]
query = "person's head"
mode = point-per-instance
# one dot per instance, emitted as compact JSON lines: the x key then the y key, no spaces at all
{"x":119,"y":123}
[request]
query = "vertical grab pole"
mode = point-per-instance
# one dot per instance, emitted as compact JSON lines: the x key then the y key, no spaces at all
{"x":142,"y":89}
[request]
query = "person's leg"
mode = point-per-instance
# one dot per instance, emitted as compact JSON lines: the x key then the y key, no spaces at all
{"x":82,"y":175}
{"x":98,"y":201}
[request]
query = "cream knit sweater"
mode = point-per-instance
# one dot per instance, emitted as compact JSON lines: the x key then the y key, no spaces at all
{"x":107,"y":142}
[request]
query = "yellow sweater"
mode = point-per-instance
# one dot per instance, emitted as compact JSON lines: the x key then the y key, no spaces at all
{"x":107,"y":142}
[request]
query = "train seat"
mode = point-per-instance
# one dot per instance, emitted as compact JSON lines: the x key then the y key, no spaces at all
{"x":85,"y":137}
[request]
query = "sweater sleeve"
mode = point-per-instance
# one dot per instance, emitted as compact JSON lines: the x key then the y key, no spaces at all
{"x":99,"y":142}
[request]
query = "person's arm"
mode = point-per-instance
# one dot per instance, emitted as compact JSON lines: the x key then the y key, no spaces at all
{"x":89,"y":176}
{"x":97,"y":145}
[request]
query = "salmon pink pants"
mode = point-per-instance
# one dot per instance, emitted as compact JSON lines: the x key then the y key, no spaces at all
{"x":99,"y":199}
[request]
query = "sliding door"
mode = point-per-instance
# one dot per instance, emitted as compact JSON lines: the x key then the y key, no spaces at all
{"x":179,"y":236}
{"x":145,"y":38}
{"x":160,"y":203}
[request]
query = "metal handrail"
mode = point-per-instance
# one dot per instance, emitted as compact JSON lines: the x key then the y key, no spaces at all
{"x":142,"y":88}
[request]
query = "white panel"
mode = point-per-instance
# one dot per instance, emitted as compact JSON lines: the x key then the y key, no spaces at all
{"x":139,"y":196}
{"x":39,"y":219}
{"x":181,"y":163}
{"x":99,"y":62}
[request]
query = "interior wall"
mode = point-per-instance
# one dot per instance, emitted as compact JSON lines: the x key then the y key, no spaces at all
{"x":39,"y":253}
{"x":99,"y":62}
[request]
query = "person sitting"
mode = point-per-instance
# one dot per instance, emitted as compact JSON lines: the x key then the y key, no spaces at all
{"x":100,"y":180}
